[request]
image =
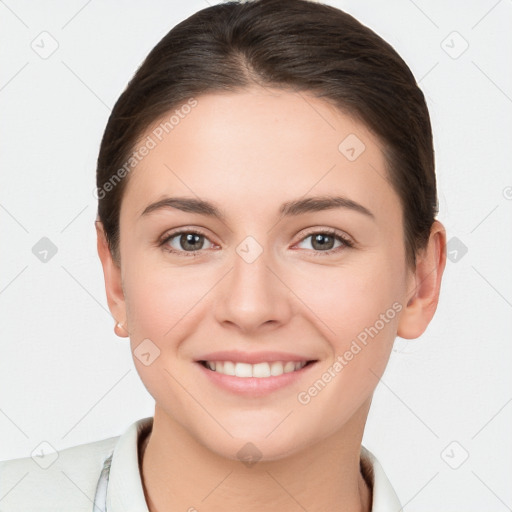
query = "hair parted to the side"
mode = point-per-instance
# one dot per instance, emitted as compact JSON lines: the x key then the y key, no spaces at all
{"x":295,"y":45}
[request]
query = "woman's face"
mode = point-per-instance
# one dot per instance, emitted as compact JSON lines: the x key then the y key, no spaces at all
{"x":263,"y":280}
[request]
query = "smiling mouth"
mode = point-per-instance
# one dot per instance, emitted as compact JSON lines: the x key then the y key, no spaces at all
{"x":259,"y":370}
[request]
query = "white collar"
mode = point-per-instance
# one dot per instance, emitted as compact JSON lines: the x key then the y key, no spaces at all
{"x":125,"y":492}
{"x":384,"y":496}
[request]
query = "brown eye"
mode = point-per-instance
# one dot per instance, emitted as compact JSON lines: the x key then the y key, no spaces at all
{"x":324,"y":241}
{"x":185,"y":241}
{"x":321,"y":241}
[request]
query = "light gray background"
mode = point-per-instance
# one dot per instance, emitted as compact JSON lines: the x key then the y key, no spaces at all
{"x":65,"y":378}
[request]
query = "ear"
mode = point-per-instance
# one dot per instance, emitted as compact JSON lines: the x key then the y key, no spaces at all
{"x":113,"y":282}
{"x":423,"y":296}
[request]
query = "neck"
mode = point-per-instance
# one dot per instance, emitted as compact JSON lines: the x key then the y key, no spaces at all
{"x":327,"y":476}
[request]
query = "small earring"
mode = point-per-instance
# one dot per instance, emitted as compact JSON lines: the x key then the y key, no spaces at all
{"x":118,"y":328}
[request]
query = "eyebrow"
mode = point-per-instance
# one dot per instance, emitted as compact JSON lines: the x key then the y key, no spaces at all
{"x":288,"y":209}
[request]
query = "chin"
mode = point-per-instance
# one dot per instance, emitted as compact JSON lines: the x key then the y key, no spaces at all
{"x":254,"y":445}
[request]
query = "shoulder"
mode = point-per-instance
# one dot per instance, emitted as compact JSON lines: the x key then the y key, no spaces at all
{"x":54,"y":481}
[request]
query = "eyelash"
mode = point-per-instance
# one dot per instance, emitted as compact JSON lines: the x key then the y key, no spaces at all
{"x":347,"y":243}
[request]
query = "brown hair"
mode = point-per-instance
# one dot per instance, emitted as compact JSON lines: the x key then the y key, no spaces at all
{"x":291,"y":44}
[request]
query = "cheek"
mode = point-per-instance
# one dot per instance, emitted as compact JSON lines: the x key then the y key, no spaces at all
{"x":343,"y":301}
{"x":356,"y":309}
{"x":162,"y":299}
{"x":164,"y":306}
{"x":357,"y":313}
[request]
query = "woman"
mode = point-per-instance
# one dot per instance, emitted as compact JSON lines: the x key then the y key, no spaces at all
{"x":266,"y":226}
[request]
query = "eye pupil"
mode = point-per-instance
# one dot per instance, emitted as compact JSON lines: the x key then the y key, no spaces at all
{"x":190,"y":241}
{"x":323,"y":241}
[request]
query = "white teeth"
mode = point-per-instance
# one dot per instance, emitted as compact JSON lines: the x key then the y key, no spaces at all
{"x":259,"y":370}
{"x":227,"y":368}
{"x":290,"y":366}
{"x":243,"y":370}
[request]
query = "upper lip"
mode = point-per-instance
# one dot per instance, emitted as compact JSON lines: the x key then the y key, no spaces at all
{"x":253,"y":357}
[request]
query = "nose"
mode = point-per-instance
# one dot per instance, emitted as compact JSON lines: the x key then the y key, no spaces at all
{"x":253,"y":296}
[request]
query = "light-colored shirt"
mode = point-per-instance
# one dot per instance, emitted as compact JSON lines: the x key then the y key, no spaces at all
{"x":68,"y":480}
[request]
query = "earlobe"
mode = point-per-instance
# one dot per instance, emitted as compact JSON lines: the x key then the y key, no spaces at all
{"x":113,"y":281}
{"x":423,"y":297}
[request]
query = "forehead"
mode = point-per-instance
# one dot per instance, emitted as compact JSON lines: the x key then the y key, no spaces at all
{"x":259,"y":147}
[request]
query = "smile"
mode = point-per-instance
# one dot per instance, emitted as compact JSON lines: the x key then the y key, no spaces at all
{"x":259,"y":370}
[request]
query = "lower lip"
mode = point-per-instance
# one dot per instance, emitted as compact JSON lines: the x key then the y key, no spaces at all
{"x":254,"y":386}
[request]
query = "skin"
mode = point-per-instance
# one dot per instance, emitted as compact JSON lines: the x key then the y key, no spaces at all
{"x":249,"y":152}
